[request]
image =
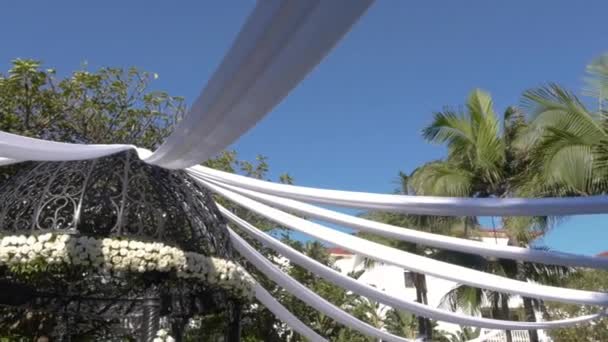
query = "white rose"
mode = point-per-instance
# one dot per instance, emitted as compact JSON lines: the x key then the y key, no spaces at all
{"x":45,"y":237}
{"x":37,"y":247}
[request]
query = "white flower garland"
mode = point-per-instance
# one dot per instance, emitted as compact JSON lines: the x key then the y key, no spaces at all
{"x":123,"y":255}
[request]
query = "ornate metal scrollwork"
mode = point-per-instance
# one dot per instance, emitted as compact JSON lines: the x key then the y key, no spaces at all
{"x":113,"y":196}
{"x":118,"y":195}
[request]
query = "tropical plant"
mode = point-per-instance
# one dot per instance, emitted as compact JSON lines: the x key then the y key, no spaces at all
{"x":435,"y":224}
{"x":596,"y":331}
{"x":567,"y":141}
{"x":401,"y":323}
{"x":483,"y":160}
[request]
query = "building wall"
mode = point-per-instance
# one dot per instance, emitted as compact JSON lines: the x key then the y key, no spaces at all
{"x":391,"y":279}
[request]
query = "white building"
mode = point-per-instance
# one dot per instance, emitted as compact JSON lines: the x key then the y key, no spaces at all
{"x":398,"y":282}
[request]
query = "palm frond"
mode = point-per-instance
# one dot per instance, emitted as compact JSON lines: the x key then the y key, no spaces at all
{"x":465,"y":298}
{"x":596,"y":82}
{"x":442,"y":179}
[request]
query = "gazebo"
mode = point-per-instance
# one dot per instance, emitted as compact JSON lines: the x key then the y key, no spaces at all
{"x":112,"y":246}
{"x":104,"y":216}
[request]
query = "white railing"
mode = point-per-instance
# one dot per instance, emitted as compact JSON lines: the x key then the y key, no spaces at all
{"x":500,"y":336}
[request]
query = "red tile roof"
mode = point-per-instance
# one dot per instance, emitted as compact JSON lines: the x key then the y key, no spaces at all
{"x":603,"y":254}
{"x":338,"y":251}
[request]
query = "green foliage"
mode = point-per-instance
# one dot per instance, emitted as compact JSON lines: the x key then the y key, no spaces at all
{"x":111,"y":105}
{"x":593,"y":280}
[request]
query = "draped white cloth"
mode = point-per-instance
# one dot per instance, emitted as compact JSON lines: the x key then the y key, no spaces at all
{"x":16,"y":148}
{"x":304,"y":293}
{"x":284,"y":315}
{"x":421,"y":205}
{"x":419,"y":237}
{"x":385,"y":298}
{"x":414,"y":262}
{"x":281,"y":42}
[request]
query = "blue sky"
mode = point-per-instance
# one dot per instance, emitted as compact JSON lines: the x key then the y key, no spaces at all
{"x":356,"y":120}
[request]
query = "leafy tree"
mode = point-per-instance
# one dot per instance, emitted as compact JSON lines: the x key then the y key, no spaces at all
{"x":597,"y":331}
{"x":114,"y":105}
{"x":401,"y":323}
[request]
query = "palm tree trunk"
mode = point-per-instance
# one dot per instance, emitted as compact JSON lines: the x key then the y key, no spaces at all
{"x":424,"y":324}
{"x":505,"y":315}
{"x":530,"y":317}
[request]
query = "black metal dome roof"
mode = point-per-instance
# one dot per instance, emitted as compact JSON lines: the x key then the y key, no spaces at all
{"x":118,"y":196}
{"x":113,"y":196}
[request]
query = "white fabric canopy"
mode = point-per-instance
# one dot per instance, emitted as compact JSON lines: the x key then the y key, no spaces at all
{"x":413,"y":262}
{"x":16,"y":148}
{"x":304,"y":293}
{"x":281,"y":42}
{"x":420,"y":205}
{"x":284,"y":315}
{"x":385,"y":298}
{"x":420,"y":237}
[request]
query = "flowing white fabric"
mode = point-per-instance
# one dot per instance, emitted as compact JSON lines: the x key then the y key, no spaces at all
{"x":281,"y":42}
{"x":420,"y":205}
{"x":16,"y":148}
{"x":304,"y":293}
{"x":284,"y":315}
{"x":412,"y":261}
{"x":385,"y":298}
{"x":424,"y":238}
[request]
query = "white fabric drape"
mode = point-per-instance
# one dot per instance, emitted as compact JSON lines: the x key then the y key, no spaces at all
{"x":420,"y":205}
{"x":304,"y":293}
{"x":16,"y":148}
{"x":281,"y":42}
{"x":415,"y":262}
{"x":284,"y":315}
{"x":415,"y":308}
{"x":423,"y":238}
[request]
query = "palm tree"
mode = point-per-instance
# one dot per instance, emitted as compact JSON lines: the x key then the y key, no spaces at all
{"x":483,"y":161}
{"x":435,"y":224}
{"x":568,"y":141}
{"x":400,"y":323}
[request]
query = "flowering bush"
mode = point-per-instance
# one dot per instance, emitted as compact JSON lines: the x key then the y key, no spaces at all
{"x":117,"y":255}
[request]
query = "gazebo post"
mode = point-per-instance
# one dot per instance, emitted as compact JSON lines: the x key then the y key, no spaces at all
{"x":233,"y":328}
{"x":151,"y":315}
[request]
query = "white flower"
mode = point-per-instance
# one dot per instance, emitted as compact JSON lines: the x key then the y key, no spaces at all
{"x":45,"y":237}
{"x":123,"y":255}
{"x":31,"y":240}
{"x":162,"y":333}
